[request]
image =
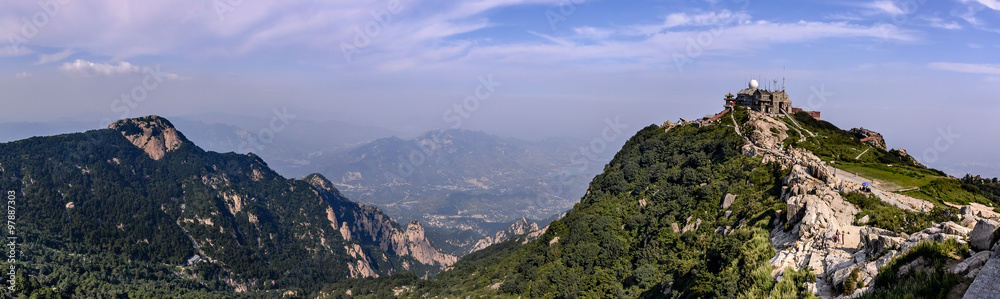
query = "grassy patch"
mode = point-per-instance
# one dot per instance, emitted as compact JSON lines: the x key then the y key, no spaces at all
{"x":949,"y":190}
{"x":792,"y":285}
{"x":932,"y":281}
{"x":886,"y":216}
{"x":853,"y":282}
{"x":902,"y":176}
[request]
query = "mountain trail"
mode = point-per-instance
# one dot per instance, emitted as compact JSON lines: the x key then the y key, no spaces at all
{"x":797,"y":124}
{"x":862,"y":153}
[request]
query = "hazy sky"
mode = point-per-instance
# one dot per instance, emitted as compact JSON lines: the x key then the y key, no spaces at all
{"x":924,"y":73}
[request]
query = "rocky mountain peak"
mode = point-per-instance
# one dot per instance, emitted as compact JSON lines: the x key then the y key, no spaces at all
{"x":153,"y":134}
{"x":319,"y":181}
{"x":414,"y":231}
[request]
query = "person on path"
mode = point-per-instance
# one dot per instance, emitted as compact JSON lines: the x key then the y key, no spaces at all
{"x":842,"y":237}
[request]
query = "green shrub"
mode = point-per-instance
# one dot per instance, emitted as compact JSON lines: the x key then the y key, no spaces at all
{"x":851,"y":283}
{"x":936,"y":283}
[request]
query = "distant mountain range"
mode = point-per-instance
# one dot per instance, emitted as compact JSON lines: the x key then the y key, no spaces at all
{"x":458,"y":180}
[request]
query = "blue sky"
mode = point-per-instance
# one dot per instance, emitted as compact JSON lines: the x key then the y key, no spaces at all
{"x":909,"y":69}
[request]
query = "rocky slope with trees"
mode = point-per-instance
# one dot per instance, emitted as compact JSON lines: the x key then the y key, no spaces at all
{"x":746,"y":207}
{"x":137,"y":210}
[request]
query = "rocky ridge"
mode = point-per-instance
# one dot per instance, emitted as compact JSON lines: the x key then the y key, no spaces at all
{"x":369,"y":225}
{"x":520,"y":228}
{"x":816,"y":212}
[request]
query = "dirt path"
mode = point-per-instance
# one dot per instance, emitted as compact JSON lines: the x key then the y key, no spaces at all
{"x":797,"y":124}
{"x":735,"y":124}
{"x":862,"y":153}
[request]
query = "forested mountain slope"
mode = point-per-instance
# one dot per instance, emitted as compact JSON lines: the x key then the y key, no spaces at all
{"x":138,"y":210}
{"x":697,"y":210}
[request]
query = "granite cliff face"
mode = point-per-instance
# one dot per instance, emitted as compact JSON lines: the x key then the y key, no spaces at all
{"x":153,"y":134}
{"x":520,"y":228}
{"x":370,"y":226}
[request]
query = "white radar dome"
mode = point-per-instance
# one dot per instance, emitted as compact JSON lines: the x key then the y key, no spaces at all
{"x":753,"y":84}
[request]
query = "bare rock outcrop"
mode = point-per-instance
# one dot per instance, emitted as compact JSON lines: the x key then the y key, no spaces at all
{"x":521,"y":227}
{"x":870,"y":137}
{"x":417,"y":246}
{"x":369,"y":226}
{"x":767,"y":132}
{"x":985,"y":285}
{"x":153,"y":134}
{"x":982,"y":235}
{"x":728,"y":200}
{"x":976,"y":261}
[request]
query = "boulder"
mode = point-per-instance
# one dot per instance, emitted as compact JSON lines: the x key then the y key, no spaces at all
{"x":749,"y":150}
{"x":841,"y":275}
{"x":864,"y":220}
{"x":974,"y":262}
{"x":728,"y":200}
{"x":981,"y":236}
{"x":875,"y":240}
{"x":952,"y":228}
{"x":966,"y":211}
{"x":885,"y":259}
{"x":985,"y":285}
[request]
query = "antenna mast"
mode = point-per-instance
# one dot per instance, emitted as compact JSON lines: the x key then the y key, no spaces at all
{"x":782,"y":78}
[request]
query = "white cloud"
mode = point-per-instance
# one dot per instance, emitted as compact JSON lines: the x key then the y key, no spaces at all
{"x":887,"y":6}
{"x":592,"y":32}
{"x":22,"y":75}
{"x":55,"y":57}
{"x":703,"y":19}
{"x":940,"y":23}
{"x":969,"y":15}
{"x":992,"y":4}
{"x":970,"y":68}
{"x":87,"y":68}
